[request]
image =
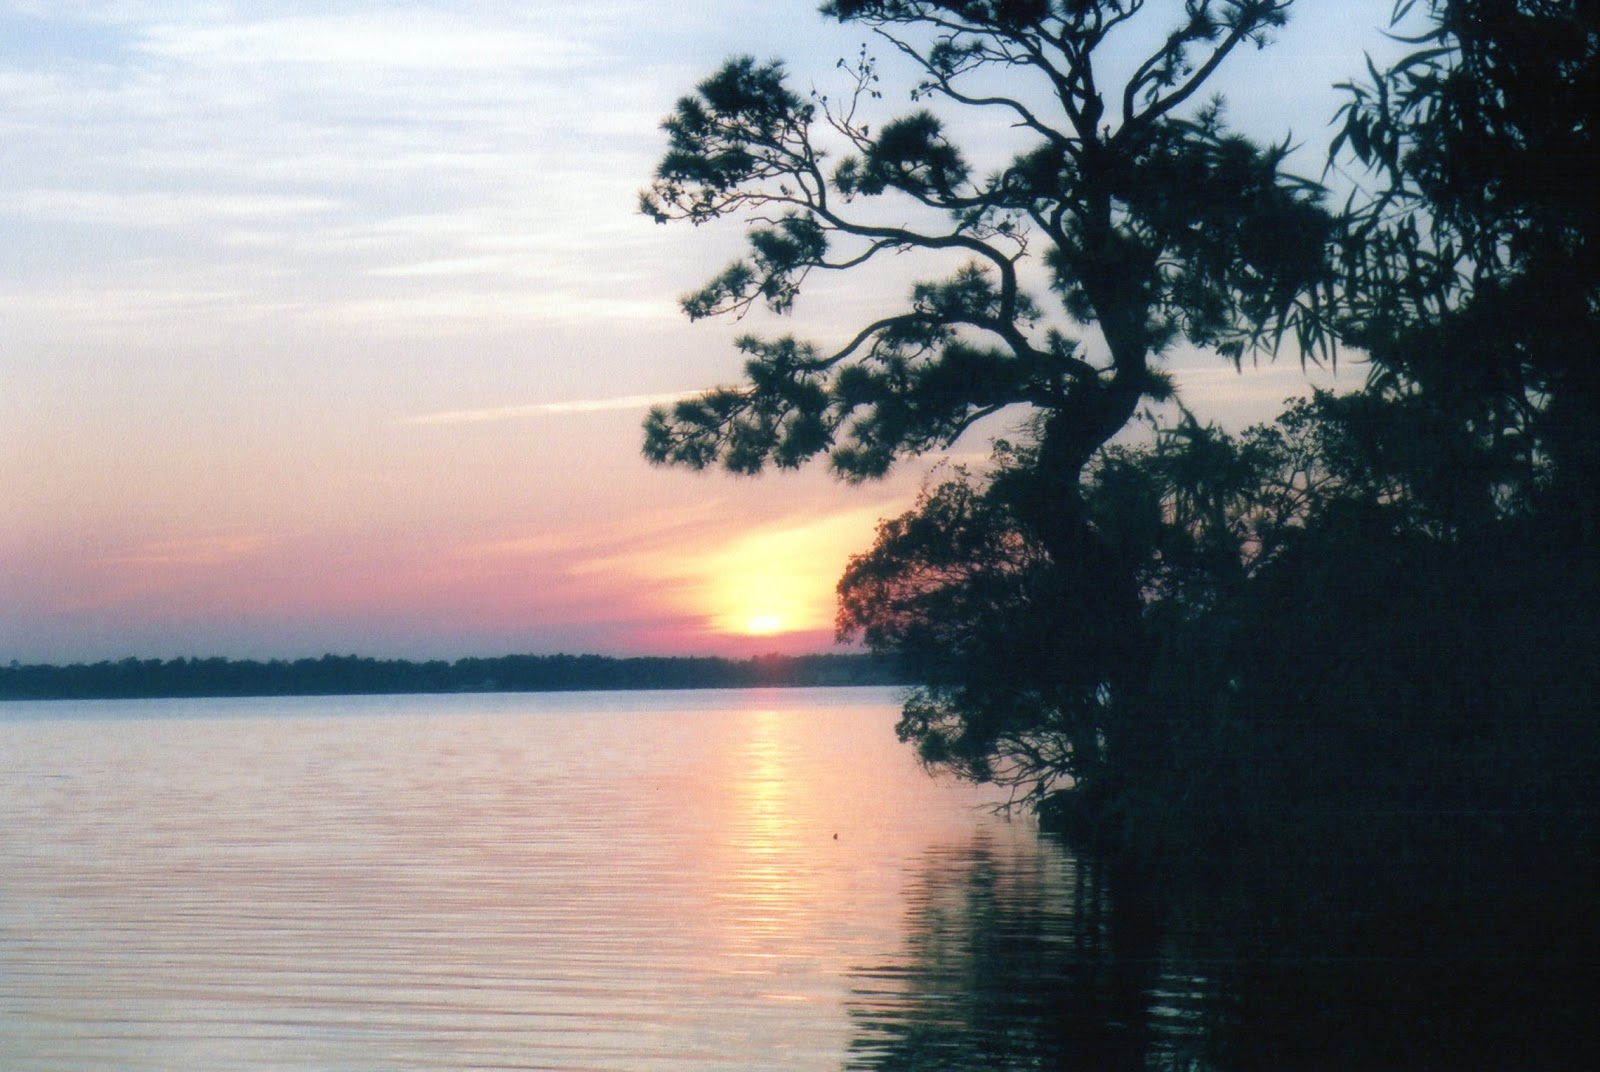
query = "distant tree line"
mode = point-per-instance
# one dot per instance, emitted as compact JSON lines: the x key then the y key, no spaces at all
{"x":357,"y":675}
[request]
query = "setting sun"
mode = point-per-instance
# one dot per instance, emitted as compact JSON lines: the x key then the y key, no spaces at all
{"x":771,"y":582}
{"x":780,"y":581}
{"x":764,"y":625}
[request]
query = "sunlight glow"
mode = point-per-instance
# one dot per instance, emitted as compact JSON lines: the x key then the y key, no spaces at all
{"x":764,"y":625}
{"x":781,"y":580}
{"x":771,"y":582}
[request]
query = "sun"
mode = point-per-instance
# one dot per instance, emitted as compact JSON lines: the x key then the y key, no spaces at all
{"x":773,"y":582}
{"x":763,"y":625}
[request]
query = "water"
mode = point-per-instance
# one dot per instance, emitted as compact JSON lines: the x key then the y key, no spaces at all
{"x":637,"y":881}
{"x":584,"y":881}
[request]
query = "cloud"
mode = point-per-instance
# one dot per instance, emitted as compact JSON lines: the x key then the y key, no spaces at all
{"x":422,"y":41}
{"x":372,"y":171}
{"x":192,"y":551}
{"x":545,"y":409}
{"x":143,"y":209}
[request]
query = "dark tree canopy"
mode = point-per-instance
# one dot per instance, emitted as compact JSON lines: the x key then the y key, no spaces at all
{"x":1129,"y":211}
{"x":1133,"y":211}
{"x":1343,"y":666}
{"x":1472,"y":269}
{"x":1322,"y":613}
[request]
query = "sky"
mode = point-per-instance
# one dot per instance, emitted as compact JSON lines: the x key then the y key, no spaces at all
{"x":329,"y":327}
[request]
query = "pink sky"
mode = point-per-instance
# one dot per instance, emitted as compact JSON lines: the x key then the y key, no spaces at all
{"x":333,"y":331}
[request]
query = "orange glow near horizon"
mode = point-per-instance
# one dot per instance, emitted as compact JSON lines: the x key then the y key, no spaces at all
{"x":764,"y":625}
{"x":769,"y":583}
{"x":756,"y":599}
{"x":779,"y":581}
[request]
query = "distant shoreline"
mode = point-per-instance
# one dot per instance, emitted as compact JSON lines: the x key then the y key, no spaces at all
{"x":335,"y":675}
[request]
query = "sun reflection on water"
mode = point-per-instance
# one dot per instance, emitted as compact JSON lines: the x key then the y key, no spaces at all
{"x":809,"y":851}
{"x":768,"y":877}
{"x":596,"y":881}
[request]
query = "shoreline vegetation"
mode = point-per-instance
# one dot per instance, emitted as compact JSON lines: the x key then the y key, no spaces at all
{"x":1340,"y":668}
{"x":1367,"y":623}
{"x":333,"y":675}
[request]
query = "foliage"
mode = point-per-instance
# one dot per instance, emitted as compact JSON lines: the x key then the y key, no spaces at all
{"x":1022,"y":685}
{"x":1137,"y":210}
{"x":1472,"y":270}
{"x":1380,"y":601}
{"x":1010,"y":662}
{"x":1132,"y":212}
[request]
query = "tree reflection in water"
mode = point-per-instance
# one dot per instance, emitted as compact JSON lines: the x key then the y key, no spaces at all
{"x":1016,"y":962}
{"x":1019,"y":956}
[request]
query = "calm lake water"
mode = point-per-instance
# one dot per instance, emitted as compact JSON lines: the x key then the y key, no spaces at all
{"x":602,"y":881}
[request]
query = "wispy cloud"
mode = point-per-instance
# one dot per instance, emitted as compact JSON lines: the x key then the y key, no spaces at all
{"x":145,"y":209}
{"x":191,"y":551}
{"x":545,"y":409}
{"x":428,"y":40}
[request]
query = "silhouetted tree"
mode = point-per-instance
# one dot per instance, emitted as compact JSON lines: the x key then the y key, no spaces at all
{"x":1153,"y":222}
{"x":1472,"y":270}
{"x":1130,"y":212}
{"x":1015,"y":686}
{"x":1316,"y":610}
